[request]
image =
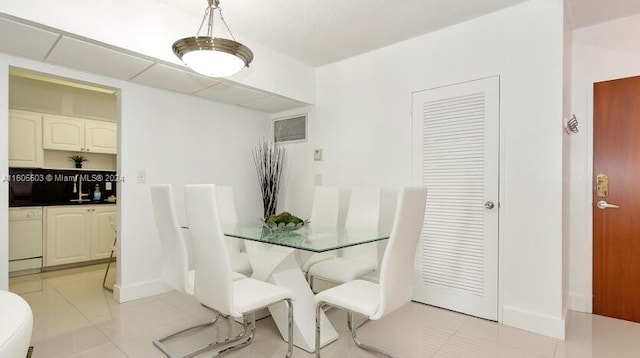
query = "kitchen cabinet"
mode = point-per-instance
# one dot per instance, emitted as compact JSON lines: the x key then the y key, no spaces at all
{"x":79,"y":134}
{"x":102,"y":233}
{"x":25,"y":139}
{"x":100,"y":137}
{"x":77,"y":233}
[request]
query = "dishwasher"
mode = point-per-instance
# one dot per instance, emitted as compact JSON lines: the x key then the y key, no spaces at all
{"x":25,"y":240}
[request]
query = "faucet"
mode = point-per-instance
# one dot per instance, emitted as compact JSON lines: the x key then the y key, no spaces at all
{"x":78,"y":189}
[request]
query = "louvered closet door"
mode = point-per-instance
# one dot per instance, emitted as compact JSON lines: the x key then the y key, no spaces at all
{"x":455,"y":156}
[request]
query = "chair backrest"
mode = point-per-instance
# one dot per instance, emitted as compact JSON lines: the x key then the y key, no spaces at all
{"x":364,"y":214}
{"x":324,"y":212}
{"x":228,"y":214}
{"x":175,"y":257}
{"x":213,"y":285}
{"x":397,"y":268}
{"x":364,"y":209}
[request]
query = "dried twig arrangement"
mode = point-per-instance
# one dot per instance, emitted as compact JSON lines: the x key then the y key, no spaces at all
{"x":269,"y":160}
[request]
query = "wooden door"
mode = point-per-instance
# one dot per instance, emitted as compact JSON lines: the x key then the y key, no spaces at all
{"x":455,"y":156}
{"x":616,"y":231}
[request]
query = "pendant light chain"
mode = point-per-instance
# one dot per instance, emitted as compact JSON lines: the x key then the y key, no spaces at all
{"x":209,"y":13}
{"x":225,"y":24}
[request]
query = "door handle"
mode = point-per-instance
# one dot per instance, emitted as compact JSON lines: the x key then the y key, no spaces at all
{"x":604,"y":205}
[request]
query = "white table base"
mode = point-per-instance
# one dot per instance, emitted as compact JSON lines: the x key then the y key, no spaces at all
{"x":277,"y":265}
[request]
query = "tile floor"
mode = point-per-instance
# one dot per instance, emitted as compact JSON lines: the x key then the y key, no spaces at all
{"x":75,"y":317}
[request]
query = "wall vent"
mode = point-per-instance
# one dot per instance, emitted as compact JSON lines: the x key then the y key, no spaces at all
{"x":290,"y":129}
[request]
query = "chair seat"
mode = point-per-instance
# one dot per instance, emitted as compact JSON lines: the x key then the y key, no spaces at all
{"x":250,"y":295}
{"x":15,"y":326}
{"x":357,"y":296}
{"x":191,"y":277}
{"x":341,"y":270}
{"x":240,"y":263}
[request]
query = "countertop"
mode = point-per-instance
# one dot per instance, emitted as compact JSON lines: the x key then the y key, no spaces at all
{"x":58,"y":203}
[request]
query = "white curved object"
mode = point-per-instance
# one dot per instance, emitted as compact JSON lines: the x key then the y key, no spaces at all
{"x":175,"y":257}
{"x":358,"y":261}
{"x":324,"y":213}
{"x":229,"y":217}
{"x":214,"y":286}
{"x":16,"y":325}
{"x":396,"y":272}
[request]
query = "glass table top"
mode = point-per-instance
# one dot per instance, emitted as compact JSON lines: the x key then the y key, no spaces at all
{"x":307,"y":238}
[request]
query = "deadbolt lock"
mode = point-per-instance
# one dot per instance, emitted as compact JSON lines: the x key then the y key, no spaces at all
{"x":602,"y":185}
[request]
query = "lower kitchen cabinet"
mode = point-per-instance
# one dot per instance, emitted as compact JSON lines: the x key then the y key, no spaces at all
{"x":77,"y":233}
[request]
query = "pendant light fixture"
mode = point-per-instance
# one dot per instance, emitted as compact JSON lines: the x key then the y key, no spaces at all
{"x":213,"y":56}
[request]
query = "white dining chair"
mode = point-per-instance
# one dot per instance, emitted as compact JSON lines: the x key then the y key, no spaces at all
{"x":395,"y":289}
{"x":175,"y":257}
{"x":16,"y":325}
{"x":324,"y":213}
{"x":213,"y":285}
{"x":229,"y":217}
{"x":358,"y":261}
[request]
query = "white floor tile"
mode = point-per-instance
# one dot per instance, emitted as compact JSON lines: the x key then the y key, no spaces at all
{"x":75,"y":317}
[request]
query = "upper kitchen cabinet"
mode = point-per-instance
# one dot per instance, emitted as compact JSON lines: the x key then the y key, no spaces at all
{"x":100,"y":137}
{"x":27,"y":151}
{"x":79,"y":135}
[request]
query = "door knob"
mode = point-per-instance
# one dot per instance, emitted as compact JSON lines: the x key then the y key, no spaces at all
{"x":604,"y":205}
{"x":489,"y":204}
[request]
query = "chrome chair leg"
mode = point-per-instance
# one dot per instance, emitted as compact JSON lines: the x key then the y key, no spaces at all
{"x":248,"y":335}
{"x":290,"y":348}
{"x":319,"y":310}
{"x":357,"y":341}
{"x":160,"y":342}
{"x":248,"y":320}
{"x":352,"y":328}
{"x":104,"y":280}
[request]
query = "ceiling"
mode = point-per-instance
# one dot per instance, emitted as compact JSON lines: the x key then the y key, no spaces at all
{"x":314,"y":32}
{"x":57,"y":47}
{"x":322,"y":32}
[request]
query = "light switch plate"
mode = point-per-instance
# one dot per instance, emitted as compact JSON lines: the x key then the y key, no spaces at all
{"x":317,"y":179}
{"x":317,"y":155}
{"x":142,"y":176}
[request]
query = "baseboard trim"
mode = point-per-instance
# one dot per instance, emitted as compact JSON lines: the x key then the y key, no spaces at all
{"x":577,"y":302}
{"x":140,"y":290}
{"x":534,"y":322}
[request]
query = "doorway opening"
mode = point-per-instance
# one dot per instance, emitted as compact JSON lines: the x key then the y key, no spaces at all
{"x":63,"y":182}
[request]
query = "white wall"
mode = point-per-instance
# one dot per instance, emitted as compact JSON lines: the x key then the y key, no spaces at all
{"x":113,"y":22}
{"x":600,"y":52}
{"x":4,"y":189}
{"x":176,"y":139}
{"x":362,"y":120}
{"x":566,"y":159}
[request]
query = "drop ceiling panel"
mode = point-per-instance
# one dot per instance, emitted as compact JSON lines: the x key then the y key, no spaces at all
{"x":93,"y":58}
{"x":24,"y":40}
{"x":174,"y":79}
{"x":231,"y":94}
{"x":273,"y":104}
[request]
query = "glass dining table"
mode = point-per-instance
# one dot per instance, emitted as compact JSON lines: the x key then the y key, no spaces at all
{"x":314,"y":239}
{"x":272,"y":256}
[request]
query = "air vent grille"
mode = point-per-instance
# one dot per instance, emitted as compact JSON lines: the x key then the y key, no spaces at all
{"x":290,"y":129}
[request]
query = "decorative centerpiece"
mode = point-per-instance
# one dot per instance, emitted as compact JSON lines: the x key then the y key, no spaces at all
{"x":283,"y":222}
{"x":78,"y":159}
{"x":269,"y":160}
